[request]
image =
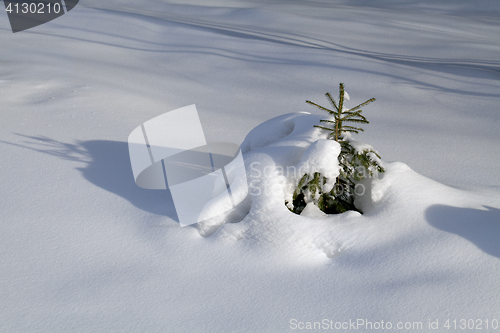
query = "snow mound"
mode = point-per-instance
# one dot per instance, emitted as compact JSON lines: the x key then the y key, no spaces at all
{"x":277,"y":153}
{"x":394,"y":204}
{"x":321,"y":156}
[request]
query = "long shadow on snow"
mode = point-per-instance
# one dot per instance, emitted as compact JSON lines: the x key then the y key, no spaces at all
{"x":481,"y":227}
{"x":108,"y":167}
{"x":467,"y":68}
{"x":290,"y":39}
{"x":451,"y":68}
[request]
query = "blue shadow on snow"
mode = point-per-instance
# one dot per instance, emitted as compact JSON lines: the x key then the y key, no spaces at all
{"x":107,"y":165}
{"x":481,"y":227}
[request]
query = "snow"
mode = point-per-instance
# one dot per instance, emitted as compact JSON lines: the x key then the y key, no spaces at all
{"x":359,"y":147}
{"x":83,"y":248}
{"x":321,"y":156}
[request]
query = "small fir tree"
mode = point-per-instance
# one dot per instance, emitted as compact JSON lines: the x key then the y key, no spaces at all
{"x":356,"y":160}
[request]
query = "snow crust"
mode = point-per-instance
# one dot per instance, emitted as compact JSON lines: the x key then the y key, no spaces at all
{"x":321,"y":156}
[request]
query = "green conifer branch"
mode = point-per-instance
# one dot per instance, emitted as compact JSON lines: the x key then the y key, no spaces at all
{"x":321,"y":107}
{"x":362,"y":121}
{"x":362,"y":104}
{"x":300,"y":186}
{"x":332,"y":101}
{"x":353,"y":116}
{"x":322,"y":127}
{"x":349,"y":113}
{"x":350,"y":128}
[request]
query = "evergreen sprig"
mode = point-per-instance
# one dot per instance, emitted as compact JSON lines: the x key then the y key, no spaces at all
{"x":341,"y":116}
{"x":351,"y":160}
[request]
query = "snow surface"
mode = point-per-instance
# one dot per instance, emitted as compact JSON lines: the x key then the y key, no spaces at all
{"x":83,"y":249}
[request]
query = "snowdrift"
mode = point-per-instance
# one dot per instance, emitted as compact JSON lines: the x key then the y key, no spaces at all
{"x":398,"y":204}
